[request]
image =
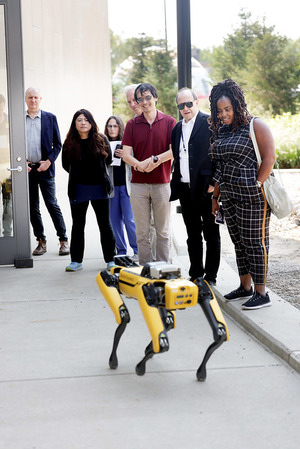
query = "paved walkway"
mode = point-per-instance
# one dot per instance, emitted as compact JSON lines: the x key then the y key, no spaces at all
{"x":57,"y":391}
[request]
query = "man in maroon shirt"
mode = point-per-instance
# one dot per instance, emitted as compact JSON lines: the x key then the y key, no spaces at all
{"x":147,"y":148}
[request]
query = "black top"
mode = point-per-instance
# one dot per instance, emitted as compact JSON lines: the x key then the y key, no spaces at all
{"x":88,"y":170}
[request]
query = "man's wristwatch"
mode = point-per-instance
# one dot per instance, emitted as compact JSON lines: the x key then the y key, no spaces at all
{"x":155,"y":159}
{"x":258,"y":183}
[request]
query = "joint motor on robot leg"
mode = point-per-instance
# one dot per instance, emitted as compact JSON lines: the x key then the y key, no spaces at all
{"x":111,"y":280}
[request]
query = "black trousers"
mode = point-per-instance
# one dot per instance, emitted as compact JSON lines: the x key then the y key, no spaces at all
{"x":101,"y":208}
{"x":200,"y":222}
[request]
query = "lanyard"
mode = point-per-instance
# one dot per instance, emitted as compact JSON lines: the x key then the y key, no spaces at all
{"x":183,"y":144}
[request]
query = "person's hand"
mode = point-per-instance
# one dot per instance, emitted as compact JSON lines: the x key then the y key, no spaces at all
{"x":215,"y":207}
{"x":28,"y":168}
{"x":152,"y":165}
{"x":119,"y":152}
{"x":142,"y":165}
{"x":44,"y":165}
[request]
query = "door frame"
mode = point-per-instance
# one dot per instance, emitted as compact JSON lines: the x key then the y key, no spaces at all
{"x":16,"y":249}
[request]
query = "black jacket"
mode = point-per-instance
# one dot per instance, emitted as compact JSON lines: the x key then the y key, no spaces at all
{"x":100,"y":165}
{"x":201,"y":167}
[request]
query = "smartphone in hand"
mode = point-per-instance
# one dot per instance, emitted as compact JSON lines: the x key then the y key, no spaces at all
{"x":220,"y":218}
{"x":118,"y":147}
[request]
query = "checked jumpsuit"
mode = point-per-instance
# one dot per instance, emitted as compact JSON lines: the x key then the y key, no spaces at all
{"x":246,"y":210}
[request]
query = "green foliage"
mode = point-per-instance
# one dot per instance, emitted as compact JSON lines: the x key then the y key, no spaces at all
{"x":265,"y":64}
{"x":286,"y":132}
{"x":271,"y":74}
{"x":148,"y":61}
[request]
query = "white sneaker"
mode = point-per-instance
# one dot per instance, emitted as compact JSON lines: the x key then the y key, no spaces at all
{"x":135,"y":258}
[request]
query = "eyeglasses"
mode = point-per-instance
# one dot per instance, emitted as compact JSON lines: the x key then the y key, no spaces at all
{"x":188,"y":104}
{"x":112,"y":126}
{"x":141,"y":99}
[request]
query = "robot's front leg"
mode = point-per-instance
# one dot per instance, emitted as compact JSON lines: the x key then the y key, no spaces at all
{"x":213,"y":313}
{"x":125,"y":317}
{"x":169,"y":319}
{"x":108,"y":283}
{"x":158,"y":321}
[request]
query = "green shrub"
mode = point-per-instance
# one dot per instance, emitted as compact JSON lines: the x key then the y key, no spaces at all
{"x":286,"y":132}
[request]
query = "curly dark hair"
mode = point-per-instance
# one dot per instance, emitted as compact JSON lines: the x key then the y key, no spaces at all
{"x":97,"y":141}
{"x":230,"y":89}
{"x":120,"y":125}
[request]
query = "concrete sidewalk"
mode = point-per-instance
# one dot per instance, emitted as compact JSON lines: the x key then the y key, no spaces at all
{"x":57,"y":390}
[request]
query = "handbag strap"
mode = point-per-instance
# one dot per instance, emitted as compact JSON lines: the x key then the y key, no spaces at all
{"x":252,"y":134}
{"x":258,"y":156}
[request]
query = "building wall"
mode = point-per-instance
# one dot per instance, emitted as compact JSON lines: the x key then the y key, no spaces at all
{"x":66,"y":47}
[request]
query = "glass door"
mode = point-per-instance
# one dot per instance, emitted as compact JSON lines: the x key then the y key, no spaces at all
{"x":14,"y":215}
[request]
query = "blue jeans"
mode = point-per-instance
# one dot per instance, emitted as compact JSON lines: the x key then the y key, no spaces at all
{"x":120,"y":215}
{"x":47,"y":186}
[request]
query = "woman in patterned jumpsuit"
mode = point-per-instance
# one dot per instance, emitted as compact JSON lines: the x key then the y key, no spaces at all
{"x":240,"y":183}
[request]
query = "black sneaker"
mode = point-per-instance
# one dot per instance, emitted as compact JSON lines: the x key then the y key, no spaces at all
{"x":239,"y":293}
{"x":257,"y":301}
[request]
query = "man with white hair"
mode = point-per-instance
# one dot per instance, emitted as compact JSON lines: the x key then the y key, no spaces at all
{"x":132,"y":103}
{"x":192,"y":183}
{"x":43,"y":145}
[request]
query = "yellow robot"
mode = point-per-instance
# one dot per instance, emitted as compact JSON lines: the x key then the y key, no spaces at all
{"x":160,"y":290}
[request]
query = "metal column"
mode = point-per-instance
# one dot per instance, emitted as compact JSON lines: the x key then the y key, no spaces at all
{"x":184,"y":71}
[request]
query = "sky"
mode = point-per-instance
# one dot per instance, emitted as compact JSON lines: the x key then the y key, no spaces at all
{"x":211,"y":21}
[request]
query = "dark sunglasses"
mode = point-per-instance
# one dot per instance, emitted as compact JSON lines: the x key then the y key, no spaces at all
{"x":188,"y":104}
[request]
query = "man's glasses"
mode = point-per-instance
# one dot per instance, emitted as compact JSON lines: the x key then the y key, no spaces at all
{"x":188,"y":104}
{"x":112,"y":126}
{"x":141,"y":99}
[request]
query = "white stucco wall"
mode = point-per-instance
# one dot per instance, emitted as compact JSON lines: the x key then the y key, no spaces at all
{"x":66,"y":46}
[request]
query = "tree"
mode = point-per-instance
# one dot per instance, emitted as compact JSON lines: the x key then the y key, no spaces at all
{"x":148,"y":61}
{"x":271,"y":74}
{"x":264,"y":64}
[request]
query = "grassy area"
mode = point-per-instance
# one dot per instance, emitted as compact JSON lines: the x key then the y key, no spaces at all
{"x":286,"y":131}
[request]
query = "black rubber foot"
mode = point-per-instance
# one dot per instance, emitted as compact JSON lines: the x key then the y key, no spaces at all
{"x":113,"y":362}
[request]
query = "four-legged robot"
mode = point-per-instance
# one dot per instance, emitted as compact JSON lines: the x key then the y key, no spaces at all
{"x":159,"y":290}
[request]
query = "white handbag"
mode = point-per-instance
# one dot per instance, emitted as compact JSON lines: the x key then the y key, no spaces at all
{"x":280,"y":203}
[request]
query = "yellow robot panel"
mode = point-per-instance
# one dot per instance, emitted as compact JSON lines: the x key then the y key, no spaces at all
{"x":112,"y":297}
{"x":152,"y":318}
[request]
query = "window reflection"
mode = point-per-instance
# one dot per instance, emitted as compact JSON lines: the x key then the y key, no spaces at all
{"x":6,"y":215}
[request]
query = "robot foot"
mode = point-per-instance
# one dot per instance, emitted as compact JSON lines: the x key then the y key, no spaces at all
{"x":113,"y":361}
{"x":140,"y":368}
{"x":201,"y":372}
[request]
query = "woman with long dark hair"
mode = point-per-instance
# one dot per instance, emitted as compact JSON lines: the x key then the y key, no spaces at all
{"x":85,"y":156}
{"x":240,"y":183}
{"x":120,"y":208}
